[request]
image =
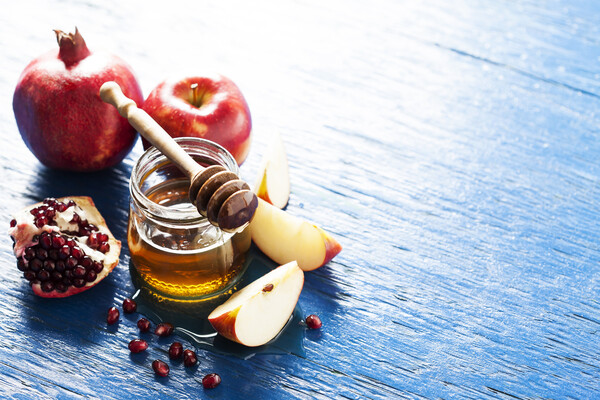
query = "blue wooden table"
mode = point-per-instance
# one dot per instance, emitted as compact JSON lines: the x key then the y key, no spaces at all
{"x":451,"y":147}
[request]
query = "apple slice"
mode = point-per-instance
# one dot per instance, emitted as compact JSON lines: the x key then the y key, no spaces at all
{"x":256,"y":314}
{"x":273,"y":183}
{"x":284,"y":237}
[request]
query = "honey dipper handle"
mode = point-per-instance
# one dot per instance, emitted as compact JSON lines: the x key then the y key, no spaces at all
{"x":111,"y":93}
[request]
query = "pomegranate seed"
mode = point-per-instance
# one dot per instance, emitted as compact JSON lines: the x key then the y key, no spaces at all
{"x":29,"y":275}
{"x":49,"y":265}
{"x":79,"y":272}
{"x":60,"y":266}
{"x":189,"y":358}
{"x":163,"y":329}
{"x":143,"y":325}
{"x":50,"y":212}
{"x":175,"y":351}
{"x":35,"y":265}
{"x":71,"y":262}
{"x":41,"y":221}
{"x":93,"y":240}
{"x":129,"y":306}
{"x":64,"y":252}
{"x":53,"y":254}
{"x":90,"y":276}
{"x":60,"y":287}
{"x":97,"y":267}
{"x":160,"y":368}
{"x":45,"y":240}
{"x":41,"y":253}
{"x":47,"y":286}
{"x":76,"y":218}
{"x":58,"y":241}
{"x":29,"y":253}
{"x":70,"y":203}
{"x":77,"y":252}
{"x":21,"y":265}
{"x":86,"y":262}
{"x":60,"y":207}
{"x":138,"y":345}
{"x":71,"y":242}
{"x":313,"y":322}
{"x":13,"y":223}
{"x":268,"y":287}
{"x":56,"y":276}
{"x":79,"y":282}
{"x":104,"y":247}
{"x":113,"y":315}
{"x":43,"y":275}
{"x":211,"y":381}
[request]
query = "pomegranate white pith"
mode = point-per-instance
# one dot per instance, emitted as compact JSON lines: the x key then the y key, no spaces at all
{"x":63,"y":246}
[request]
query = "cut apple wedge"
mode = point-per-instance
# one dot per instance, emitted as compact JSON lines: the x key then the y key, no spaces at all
{"x":273,"y":183}
{"x":256,"y":314}
{"x":284,"y":237}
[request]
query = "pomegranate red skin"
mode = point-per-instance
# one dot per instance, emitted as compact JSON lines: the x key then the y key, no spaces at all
{"x":60,"y":115}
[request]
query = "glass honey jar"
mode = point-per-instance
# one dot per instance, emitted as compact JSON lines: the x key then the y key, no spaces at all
{"x":175,"y":250}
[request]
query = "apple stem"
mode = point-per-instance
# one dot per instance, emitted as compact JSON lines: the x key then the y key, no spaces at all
{"x":195,"y":95}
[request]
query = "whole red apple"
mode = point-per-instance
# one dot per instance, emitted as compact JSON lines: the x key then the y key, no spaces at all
{"x":59,"y":114}
{"x":210,"y":107}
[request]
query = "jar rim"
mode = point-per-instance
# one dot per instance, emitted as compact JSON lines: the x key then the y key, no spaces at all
{"x":152,"y":158}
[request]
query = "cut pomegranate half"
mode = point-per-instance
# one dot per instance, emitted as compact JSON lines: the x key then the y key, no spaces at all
{"x":63,"y":246}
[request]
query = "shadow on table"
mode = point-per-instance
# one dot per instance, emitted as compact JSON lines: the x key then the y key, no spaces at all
{"x":71,"y":319}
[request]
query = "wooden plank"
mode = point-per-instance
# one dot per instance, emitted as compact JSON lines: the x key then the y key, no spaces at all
{"x":450,"y":147}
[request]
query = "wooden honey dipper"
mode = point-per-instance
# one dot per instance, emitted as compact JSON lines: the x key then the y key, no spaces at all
{"x":217,"y":193}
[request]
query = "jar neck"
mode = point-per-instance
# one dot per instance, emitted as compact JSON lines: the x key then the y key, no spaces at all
{"x":153,"y":171}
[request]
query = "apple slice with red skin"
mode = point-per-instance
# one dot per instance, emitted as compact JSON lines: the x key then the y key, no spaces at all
{"x":273,"y":183}
{"x":284,"y":237}
{"x":211,"y":107}
{"x":255,"y":314}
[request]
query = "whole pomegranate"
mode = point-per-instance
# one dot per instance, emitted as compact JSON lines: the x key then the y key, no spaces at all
{"x":63,"y":246}
{"x":60,"y":115}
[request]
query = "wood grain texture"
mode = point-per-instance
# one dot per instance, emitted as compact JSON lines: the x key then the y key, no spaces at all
{"x":451,"y":147}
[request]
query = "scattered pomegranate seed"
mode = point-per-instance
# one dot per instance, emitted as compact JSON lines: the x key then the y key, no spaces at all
{"x":313,"y":322}
{"x":211,"y":381}
{"x":113,"y":315}
{"x":129,"y":306}
{"x":13,"y":223}
{"x":138,"y":345}
{"x":160,"y":368}
{"x":163,"y":329}
{"x":143,"y":325}
{"x":189,"y":358}
{"x":175,"y":351}
{"x":268,"y":287}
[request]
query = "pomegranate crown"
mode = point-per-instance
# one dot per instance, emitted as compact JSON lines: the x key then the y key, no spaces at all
{"x":72,"y":47}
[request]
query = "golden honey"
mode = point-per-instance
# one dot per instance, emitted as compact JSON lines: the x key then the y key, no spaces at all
{"x":175,"y":251}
